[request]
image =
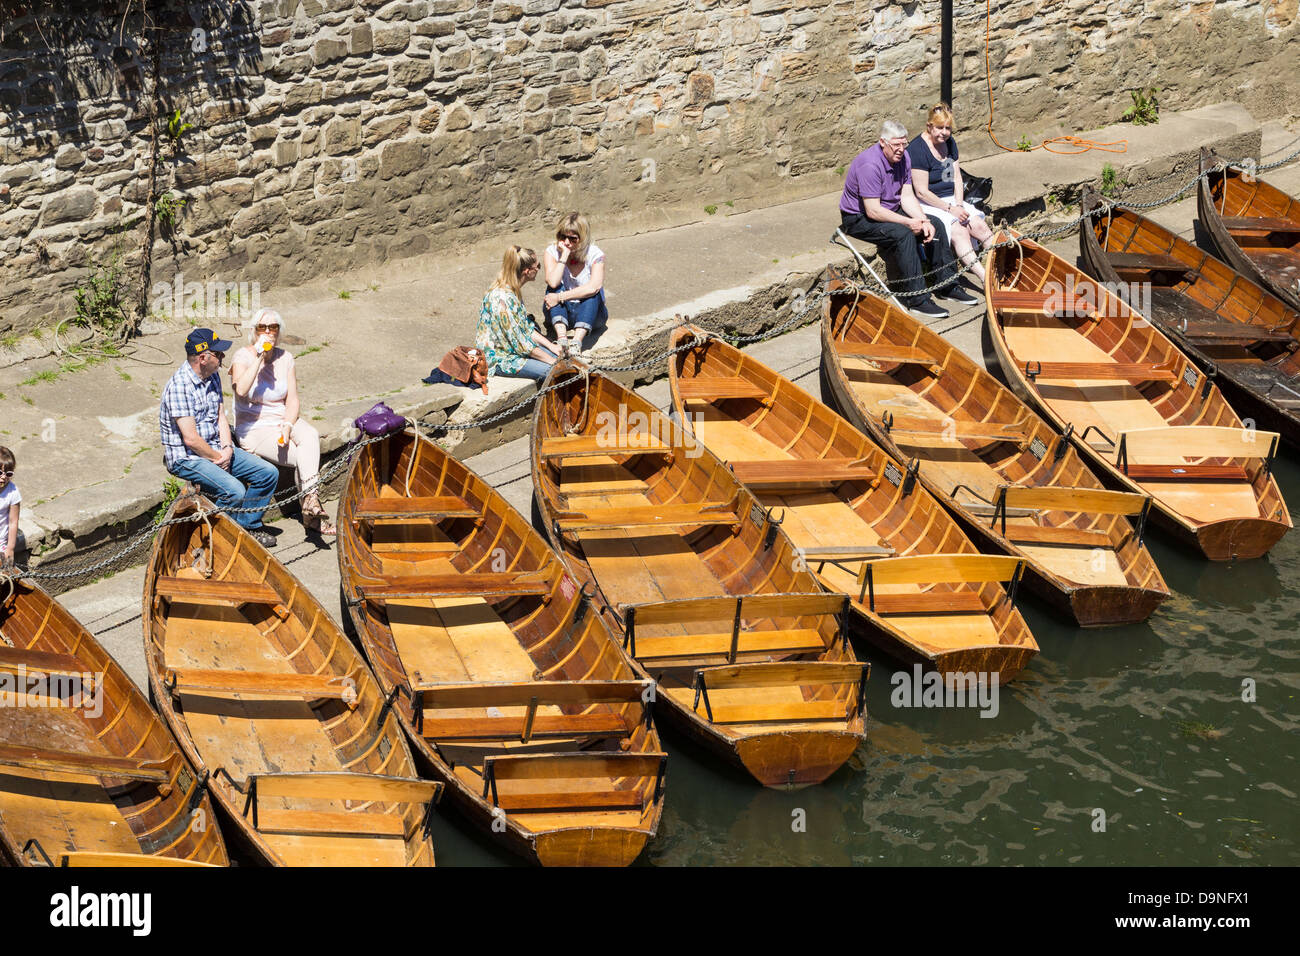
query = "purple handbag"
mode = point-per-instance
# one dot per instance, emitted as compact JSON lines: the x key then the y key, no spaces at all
{"x":380,"y":420}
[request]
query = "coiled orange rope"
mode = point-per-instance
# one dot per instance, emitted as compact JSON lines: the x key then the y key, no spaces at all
{"x":1077,"y":144}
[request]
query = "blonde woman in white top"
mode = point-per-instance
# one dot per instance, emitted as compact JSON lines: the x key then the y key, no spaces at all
{"x":575,"y":281}
{"x":267,"y":422}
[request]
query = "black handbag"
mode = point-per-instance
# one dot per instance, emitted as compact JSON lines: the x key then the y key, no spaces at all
{"x":977,"y":190}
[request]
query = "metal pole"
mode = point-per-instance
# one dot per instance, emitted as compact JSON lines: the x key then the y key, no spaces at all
{"x":863,"y":264}
{"x":945,"y":54}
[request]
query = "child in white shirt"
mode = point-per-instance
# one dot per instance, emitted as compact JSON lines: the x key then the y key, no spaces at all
{"x":10,"y":501}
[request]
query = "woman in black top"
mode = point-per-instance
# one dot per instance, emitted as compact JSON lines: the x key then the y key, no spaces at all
{"x":936,"y":180}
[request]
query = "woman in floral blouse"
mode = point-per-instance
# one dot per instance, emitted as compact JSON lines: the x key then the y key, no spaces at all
{"x":513,"y":344}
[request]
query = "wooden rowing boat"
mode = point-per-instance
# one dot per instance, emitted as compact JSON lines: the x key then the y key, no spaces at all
{"x":509,"y":687}
{"x":1230,"y":326}
{"x":858,"y":520}
{"x":1014,"y":484}
{"x":89,"y":774}
{"x":749,"y":657}
{"x":1134,"y":405}
{"x":1254,"y":227}
{"x":274,"y":706}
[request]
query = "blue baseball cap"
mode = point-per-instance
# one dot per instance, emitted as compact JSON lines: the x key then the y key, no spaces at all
{"x":204,"y":340}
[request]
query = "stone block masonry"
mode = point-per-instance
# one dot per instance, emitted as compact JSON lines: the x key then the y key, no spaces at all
{"x":332,"y":134}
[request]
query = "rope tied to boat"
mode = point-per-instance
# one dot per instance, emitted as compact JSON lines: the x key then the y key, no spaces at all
{"x":1019,"y":247}
{"x":415,"y":455}
{"x":203,"y":562}
{"x":566,"y":423}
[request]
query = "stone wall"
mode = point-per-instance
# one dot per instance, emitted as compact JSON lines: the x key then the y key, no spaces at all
{"x":329,"y":134}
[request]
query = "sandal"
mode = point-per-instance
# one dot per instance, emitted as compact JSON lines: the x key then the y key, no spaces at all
{"x":316,"y":518}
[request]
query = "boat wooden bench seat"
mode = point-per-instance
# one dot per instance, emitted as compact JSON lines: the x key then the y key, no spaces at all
{"x":936,"y":569}
{"x":14,"y":659}
{"x":1182,"y":472}
{"x":1034,"y":302}
{"x":396,"y":509}
{"x":884,"y":353}
{"x":429,"y":698}
{"x":93,"y":765}
{"x":1135,"y":372}
{"x":1260,"y":227}
{"x":1162,"y":452}
{"x":648,"y":516}
{"x":353,"y":787}
{"x":1209,"y":332}
{"x":803,"y":473}
{"x":218,"y":593}
{"x":718,"y":388}
{"x":581,"y":765}
{"x":700,"y":650}
{"x":481,"y":585}
{"x":187,"y":680}
{"x":951,"y":429}
{"x":848,"y":553}
{"x":734,"y":609}
{"x":1061,"y":534}
{"x":89,"y":858}
{"x":781,"y":674}
{"x":1151,"y":266}
{"x":568,"y":447}
{"x":1090,"y":501}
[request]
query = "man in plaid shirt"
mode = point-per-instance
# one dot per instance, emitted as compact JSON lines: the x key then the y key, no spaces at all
{"x":196,"y":438}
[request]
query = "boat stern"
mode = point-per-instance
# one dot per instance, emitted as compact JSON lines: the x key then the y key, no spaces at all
{"x":792,"y":760}
{"x":1240,"y":539}
{"x":1104,"y":606}
{"x":590,"y":846}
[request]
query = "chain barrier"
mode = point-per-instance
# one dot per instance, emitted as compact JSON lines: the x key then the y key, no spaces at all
{"x":800,"y":304}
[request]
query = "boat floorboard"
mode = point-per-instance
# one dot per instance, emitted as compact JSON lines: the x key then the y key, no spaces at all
{"x":338,"y":849}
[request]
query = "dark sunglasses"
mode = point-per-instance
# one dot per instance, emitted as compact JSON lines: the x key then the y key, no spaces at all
{"x":266,"y":328}
{"x":569,"y":238}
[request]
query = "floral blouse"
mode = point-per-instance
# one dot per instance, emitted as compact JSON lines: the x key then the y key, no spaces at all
{"x":505,"y":332}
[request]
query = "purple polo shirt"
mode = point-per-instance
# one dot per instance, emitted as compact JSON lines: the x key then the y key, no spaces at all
{"x":871,"y":176}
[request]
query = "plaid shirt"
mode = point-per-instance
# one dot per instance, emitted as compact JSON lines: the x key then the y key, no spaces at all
{"x":187,"y":395}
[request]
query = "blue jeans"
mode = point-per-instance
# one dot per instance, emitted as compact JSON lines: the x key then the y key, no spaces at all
{"x":227,"y":488}
{"x":585,"y":313}
{"x":532,"y":368}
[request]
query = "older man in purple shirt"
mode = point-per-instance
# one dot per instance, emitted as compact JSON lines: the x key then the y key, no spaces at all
{"x":878,"y":205}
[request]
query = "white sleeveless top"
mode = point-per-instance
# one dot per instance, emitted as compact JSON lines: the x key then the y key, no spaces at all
{"x":264,"y":406}
{"x":571,"y":280}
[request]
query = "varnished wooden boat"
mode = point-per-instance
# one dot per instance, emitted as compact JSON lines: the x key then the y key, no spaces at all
{"x":274,"y":706}
{"x":1135,"y":406}
{"x":89,"y":774}
{"x":508,"y":685}
{"x":856,"y":517}
{"x":1254,"y":227}
{"x":749,"y":657}
{"x":1015,"y":485}
{"x":1241,"y":333}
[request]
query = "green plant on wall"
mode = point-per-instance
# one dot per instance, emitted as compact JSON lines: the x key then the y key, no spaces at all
{"x":1145,"y":109}
{"x":168,"y":207}
{"x":177,"y":128}
{"x":171,"y":490}
{"x":1024,"y":145}
{"x":101,"y":299}
{"x":1110,"y":182}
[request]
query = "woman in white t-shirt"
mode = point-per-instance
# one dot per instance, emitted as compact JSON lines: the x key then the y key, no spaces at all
{"x":10,"y":505}
{"x":267,"y":422}
{"x":575,"y":281}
